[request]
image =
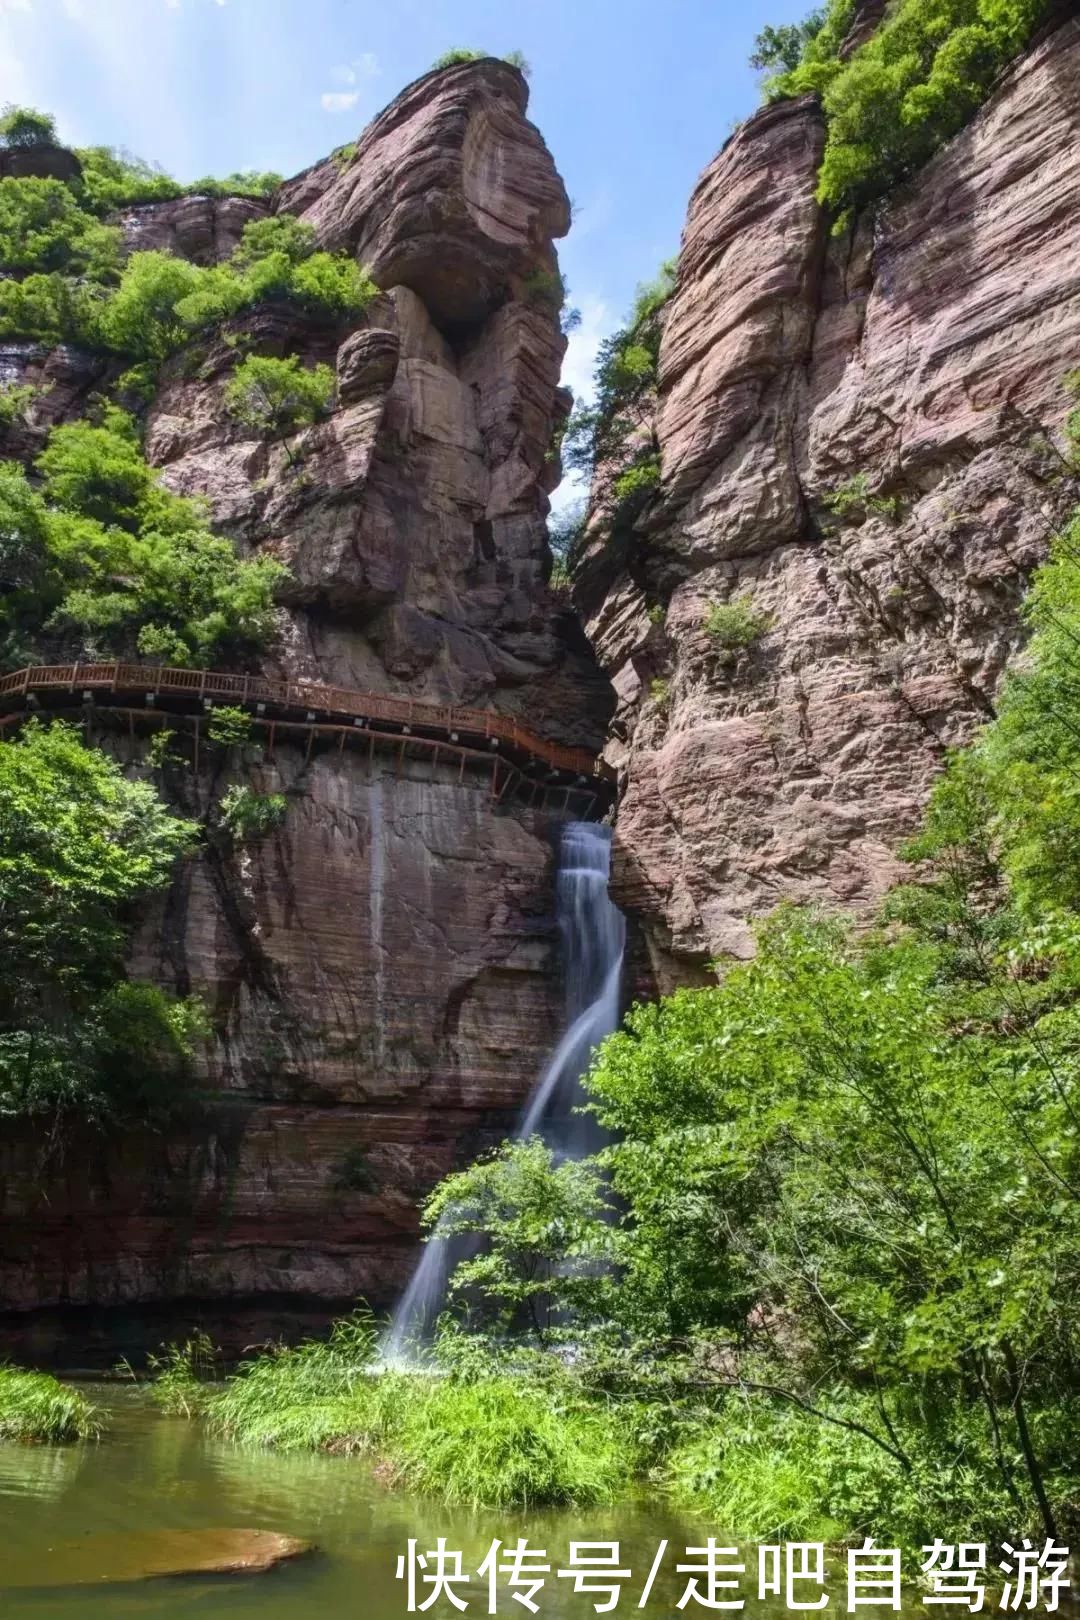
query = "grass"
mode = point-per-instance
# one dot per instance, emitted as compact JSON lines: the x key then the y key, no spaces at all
{"x":34,"y":1406}
{"x":494,"y":1441}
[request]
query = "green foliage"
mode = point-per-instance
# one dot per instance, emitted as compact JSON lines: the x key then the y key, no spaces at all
{"x":354,"y":1173}
{"x":79,"y":846}
{"x":517,"y":59}
{"x":455,"y":56}
{"x":733,"y":626}
{"x":782,"y":48}
{"x":545,"y":288}
{"x":612,"y":432}
{"x":182,"y":1375}
{"x":113,"y":180}
{"x":908,"y":89}
{"x":229,"y":727}
{"x":103,"y":551}
{"x":501,"y":1442}
{"x":274,"y":396}
{"x":15,"y":402}
{"x":25,"y":126}
{"x":853,"y":500}
{"x":660,"y":692}
{"x":50,"y":309}
{"x":159,"y":302}
{"x":483,"y":1439}
{"x":542,"y":1222}
{"x":308,"y":1396}
{"x":248,"y":815}
{"x":34,"y":1406}
{"x":43,"y":229}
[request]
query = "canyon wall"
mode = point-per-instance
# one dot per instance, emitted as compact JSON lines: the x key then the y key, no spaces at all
{"x":382,"y":972}
{"x":861,"y":437}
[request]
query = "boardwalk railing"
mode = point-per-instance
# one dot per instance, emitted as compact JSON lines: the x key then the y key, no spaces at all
{"x":308,"y":695}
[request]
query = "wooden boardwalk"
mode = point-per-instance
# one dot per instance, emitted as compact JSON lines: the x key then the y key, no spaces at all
{"x":516,"y":758}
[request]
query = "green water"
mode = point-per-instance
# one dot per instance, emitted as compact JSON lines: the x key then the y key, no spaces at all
{"x":156,"y":1473}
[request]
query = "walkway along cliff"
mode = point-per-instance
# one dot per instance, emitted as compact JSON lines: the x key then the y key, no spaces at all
{"x":382,"y":973}
{"x":859,"y":439}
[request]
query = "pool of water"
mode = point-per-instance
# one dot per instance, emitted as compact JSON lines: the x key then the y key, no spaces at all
{"x":58,"y":1505}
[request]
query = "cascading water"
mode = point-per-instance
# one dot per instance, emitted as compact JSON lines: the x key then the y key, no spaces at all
{"x":593,"y":933}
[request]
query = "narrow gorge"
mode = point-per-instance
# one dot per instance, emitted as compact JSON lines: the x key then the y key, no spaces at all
{"x":860,"y":437}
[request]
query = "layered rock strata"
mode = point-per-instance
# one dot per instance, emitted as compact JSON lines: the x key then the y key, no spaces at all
{"x":861,"y":439}
{"x":382,"y":972}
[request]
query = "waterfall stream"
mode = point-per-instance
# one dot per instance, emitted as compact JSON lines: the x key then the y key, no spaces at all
{"x":593,"y":934}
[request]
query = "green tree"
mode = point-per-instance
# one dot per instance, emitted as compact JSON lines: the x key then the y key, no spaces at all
{"x":276,"y":396}
{"x":541,"y":1220}
{"x":25,"y":126}
{"x":906,"y":90}
{"x":103,"y":551}
{"x":42,"y":229}
{"x":782,"y":47}
{"x":79,"y":846}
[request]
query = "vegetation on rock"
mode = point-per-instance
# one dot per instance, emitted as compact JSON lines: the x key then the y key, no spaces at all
{"x":103,"y":554}
{"x":248,"y":815}
{"x":274,"y":396}
{"x":79,"y":846}
{"x":904,"y":92}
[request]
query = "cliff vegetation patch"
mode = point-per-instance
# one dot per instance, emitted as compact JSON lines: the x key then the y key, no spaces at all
{"x":894,"y":100}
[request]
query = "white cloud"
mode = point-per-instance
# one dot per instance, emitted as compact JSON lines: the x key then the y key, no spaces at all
{"x":361,"y":67}
{"x":7,"y":6}
{"x":336,"y":101}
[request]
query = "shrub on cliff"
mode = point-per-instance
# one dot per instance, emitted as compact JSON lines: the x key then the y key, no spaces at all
{"x":907,"y":90}
{"x":275,"y":396}
{"x":162,"y":302}
{"x":25,"y":126}
{"x":79,"y":847}
{"x":42,"y":229}
{"x":103,"y":551}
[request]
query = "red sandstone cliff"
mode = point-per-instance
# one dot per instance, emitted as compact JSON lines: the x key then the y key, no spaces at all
{"x":925,"y":353}
{"x":382,"y":973}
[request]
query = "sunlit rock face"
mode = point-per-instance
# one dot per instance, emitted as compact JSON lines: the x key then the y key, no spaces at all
{"x":922,"y":356}
{"x":382,"y":971}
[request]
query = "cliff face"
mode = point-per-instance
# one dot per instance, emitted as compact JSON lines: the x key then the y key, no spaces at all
{"x":381,"y":973}
{"x":860,"y":437}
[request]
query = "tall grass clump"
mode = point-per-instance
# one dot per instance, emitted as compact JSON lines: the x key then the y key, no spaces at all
{"x":182,"y":1375}
{"x":34,"y":1406}
{"x":312,"y":1396}
{"x":503,"y":1442}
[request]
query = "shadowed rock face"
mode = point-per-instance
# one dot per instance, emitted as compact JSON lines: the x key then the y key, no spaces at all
{"x":382,"y":972}
{"x":924,"y":356}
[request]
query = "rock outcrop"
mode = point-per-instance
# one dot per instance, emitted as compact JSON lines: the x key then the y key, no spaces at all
{"x":382,"y":972}
{"x":861,"y":437}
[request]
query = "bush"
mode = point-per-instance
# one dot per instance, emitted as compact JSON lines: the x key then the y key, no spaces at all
{"x":104,"y":550}
{"x":43,"y":229}
{"x":79,"y":847}
{"x":36,"y":1407}
{"x":455,"y":56}
{"x":905,"y":92}
{"x":502,"y":1443}
{"x":25,"y":126}
{"x":733,"y":626}
{"x":229,"y":727}
{"x":248,"y":815}
{"x":273,"y":396}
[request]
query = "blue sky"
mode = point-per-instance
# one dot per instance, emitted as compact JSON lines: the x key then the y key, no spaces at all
{"x":633,"y":97}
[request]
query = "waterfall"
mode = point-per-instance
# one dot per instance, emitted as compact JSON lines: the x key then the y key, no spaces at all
{"x":593,"y":935}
